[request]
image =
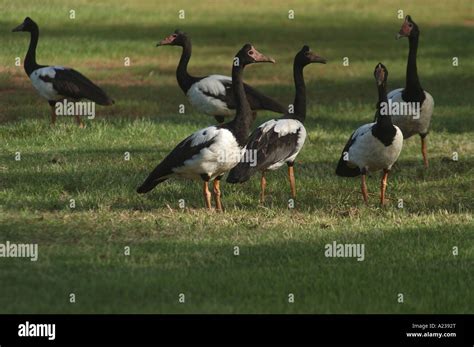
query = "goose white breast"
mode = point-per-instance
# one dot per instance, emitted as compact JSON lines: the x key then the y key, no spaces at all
{"x":45,"y":89}
{"x":369,"y":152}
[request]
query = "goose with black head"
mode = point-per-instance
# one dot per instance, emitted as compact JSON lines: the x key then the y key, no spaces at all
{"x":55,"y":83}
{"x":210,"y":152}
{"x":374,"y":146}
{"x":412,"y":123}
{"x":213,"y":94}
{"x":279,"y":141}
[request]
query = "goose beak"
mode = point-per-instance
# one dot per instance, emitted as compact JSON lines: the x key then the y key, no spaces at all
{"x":316,"y":58}
{"x":166,"y":41}
{"x":404,"y":30}
{"x":260,"y":58}
{"x":19,"y":28}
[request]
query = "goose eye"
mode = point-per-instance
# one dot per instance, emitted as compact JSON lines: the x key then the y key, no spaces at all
{"x":250,"y":52}
{"x":410,"y":25}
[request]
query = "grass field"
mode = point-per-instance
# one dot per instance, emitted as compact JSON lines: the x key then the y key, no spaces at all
{"x":408,"y":250}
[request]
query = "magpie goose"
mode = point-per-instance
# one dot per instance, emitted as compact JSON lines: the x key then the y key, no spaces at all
{"x":279,"y":141}
{"x":373,"y":146}
{"x":209,"y":153}
{"x":213,"y":94}
{"x":55,"y":83}
{"x":411,"y":124}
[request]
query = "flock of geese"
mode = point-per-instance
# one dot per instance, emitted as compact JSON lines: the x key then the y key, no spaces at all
{"x":211,"y":152}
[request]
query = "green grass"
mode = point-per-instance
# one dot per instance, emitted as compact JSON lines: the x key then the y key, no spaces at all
{"x":191,"y":250}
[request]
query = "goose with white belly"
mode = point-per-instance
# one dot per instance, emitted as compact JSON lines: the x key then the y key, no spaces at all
{"x":279,"y":141}
{"x":374,"y":146}
{"x":419,"y":122}
{"x":55,"y":83}
{"x":213,"y":94}
{"x":209,"y":153}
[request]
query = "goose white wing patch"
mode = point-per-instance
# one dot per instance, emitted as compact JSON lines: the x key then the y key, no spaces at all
{"x":208,"y":94}
{"x":213,"y":84}
{"x":203,"y":135}
{"x":395,"y":95}
{"x":282,"y":126}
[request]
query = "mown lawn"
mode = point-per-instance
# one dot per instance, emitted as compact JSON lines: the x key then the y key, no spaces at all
{"x":408,"y":250}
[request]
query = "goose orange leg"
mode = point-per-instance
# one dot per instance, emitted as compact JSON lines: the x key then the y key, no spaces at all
{"x":207,"y":194}
{"x":364,"y":186}
{"x":263,"y":185}
{"x":53,"y":112}
{"x":53,"y":116}
{"x":383,"y":186}
{"x":79,"y":122}
{"x":291,"y":177}
{"x":423,"y":150}
{"x":217,"y":193}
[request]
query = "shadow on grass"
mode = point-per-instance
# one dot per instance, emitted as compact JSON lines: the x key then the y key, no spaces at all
{"x":417,"y":259}
{"x":104,"y":178}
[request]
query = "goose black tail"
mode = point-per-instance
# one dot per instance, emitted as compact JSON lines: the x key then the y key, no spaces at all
{"x":149,"y":185}
{"x":241,"y":173}
{"x":345,"y":170}
{"x":154,"y":178}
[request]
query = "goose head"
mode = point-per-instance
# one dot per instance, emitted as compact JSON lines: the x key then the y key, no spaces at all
{"x":380,"y":74}
{"x":28,"y":25}
{"x":178,"y":38}
{"x":409,"y":28}
{"x":249,"y":55}
{"x":306,"y":56}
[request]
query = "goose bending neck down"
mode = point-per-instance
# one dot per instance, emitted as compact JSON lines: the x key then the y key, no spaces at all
{"x":210,"y":152}
{"x":374,"y":146}
{"x":413,"y":93}
{"x":279,"y":141}
{"x":213,"y":94}
{"x":56,"y":83}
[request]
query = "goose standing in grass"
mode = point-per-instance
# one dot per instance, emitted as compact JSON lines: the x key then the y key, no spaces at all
{"x":213,"y":94}
{"x":411,"y":124}
{"x":374,"y":146}
{"x":209,"y":153}
{"x":279,"y":141}
{"x":55,"y":83}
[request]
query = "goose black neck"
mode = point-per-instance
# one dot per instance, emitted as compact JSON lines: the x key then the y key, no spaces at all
{"x":413,"y":90}
{"x":240,"y":125}
{"x":383,"y":119}
{"x":383,"y":128}
{"x":185,"y":81}
{"x":30,"y":59}
{"x":300,"y":93}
